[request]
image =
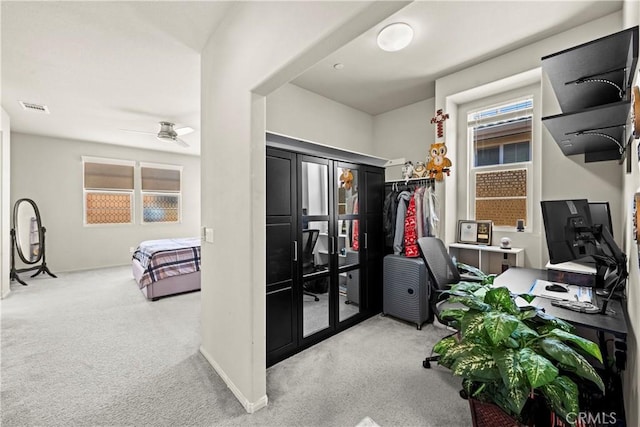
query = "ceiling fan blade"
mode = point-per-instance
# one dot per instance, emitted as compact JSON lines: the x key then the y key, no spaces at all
{"x":138,"y":131}
{"x":184,"y":131}
{"x":181,"y":142}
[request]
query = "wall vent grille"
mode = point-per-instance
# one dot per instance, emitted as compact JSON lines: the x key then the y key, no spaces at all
{"x":30,"y":106}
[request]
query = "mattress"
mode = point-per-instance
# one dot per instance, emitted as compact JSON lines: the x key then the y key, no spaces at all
{"x":162,"y":259}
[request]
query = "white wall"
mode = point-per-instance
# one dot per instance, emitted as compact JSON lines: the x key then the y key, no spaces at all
{"x":49,"y":171}
{"x":299,"y":113}
{"x":405,"y":132}
{"x":235,"y":79}
{"x":5,"y":203}
{"x":597,"y":181}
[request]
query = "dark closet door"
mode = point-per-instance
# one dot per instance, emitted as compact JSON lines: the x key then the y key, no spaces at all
{"x":281,"y":226}
{"x":373,"y":252}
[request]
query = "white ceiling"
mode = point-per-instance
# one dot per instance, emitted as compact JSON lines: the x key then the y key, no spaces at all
{"x":105,"y":66}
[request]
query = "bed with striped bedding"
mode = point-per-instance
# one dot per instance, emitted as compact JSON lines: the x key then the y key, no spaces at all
{"x":167,"y":266}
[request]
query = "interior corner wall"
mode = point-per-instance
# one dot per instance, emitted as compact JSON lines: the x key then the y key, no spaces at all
{"x":597,"y":181}
{"x":405,"y":132}
{"x":49,"y":171}
{"x":299,"y":113}
{"x":236,"y":78}
{"x":5,"y":203}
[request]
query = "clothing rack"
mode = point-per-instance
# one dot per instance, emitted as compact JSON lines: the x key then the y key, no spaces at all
{"x":411,"y":183}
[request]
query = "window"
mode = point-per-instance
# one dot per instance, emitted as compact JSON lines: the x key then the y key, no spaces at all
{"x":161,"y":193}
{"x":500,"y":144}
{"x":108,"y":191}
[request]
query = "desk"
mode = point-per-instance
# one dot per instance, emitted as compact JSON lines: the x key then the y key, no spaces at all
{"x":519,"y":281}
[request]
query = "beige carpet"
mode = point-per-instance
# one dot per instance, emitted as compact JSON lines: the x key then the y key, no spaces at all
{"x":87,"y":349}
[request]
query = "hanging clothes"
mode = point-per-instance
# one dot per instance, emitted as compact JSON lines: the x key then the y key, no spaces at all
{"x":389,"y":211}
{"x":410,"y":231}
{"x":434,"y":209}
{"x":355,"y":244}
{"x":418,"y":196}
{"x":398,"y":240}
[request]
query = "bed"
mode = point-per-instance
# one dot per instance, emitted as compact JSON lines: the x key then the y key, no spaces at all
{"x":167,"y":266}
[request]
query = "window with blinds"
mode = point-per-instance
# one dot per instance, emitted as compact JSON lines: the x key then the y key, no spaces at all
{"x":500,"y":147}
{"x":161,"y":187}
{"x":108,"y":191}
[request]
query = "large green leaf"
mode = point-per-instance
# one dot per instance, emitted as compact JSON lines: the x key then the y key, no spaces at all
{"x":569,"y":357}
{"x":501,"y":299}
{"x":523,"y":332}
{"x":472,"y":325}
{"x":562,"y":395}
{"x":516,"y":398}
{"x":589,"y":347}
{"x":550,"y":322}
{"x":471,"y":301}
{"x":527,"y":297}
{"x":452,"y":314}
{"x":539,"y":370}
{"x":508,"y":362}
{"x":444,"y":345}
{"x":465,"y":349}
{"x":477,"y":367}
{"x":467,"y":287}
{"x":499,"y":325}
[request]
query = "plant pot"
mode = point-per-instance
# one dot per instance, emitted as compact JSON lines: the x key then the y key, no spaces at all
{"x":485,"y":414}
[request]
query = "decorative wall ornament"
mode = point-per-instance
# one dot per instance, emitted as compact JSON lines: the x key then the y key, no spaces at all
{"x":438,"y":164}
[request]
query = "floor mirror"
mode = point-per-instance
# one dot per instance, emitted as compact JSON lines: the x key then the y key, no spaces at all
{"x":27,"y":240}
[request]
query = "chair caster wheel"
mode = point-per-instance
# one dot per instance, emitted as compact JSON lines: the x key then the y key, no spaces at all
{"x":426,"y":364}
{"x":317,"y":299}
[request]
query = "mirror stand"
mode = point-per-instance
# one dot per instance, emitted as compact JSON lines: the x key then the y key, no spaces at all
{"x":41,"y":269}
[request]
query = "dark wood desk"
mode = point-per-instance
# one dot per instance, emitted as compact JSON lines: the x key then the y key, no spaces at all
{"x":519,"y":280}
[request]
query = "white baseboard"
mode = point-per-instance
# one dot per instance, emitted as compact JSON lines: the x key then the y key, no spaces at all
{"x":250,"y":407}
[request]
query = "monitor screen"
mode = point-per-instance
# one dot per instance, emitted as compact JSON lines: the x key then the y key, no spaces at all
{"x":601,"y":215}
{"x":567,"y":225}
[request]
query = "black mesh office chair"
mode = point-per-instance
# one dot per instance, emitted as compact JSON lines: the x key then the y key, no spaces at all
{"x":309,"y":240}
{"x":442,"y":274}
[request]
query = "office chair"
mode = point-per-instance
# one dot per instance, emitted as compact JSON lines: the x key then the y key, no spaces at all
{"x":309,"y":240}
{"x":442,"y":274}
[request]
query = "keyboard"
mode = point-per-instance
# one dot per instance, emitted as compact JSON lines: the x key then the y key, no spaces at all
{"x":580,"y":306}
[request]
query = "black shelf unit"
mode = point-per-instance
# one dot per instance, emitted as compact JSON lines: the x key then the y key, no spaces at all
{"x":592,"y":83}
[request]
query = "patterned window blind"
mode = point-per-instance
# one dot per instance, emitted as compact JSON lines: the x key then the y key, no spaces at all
{"x":108,"y":191}
{"x":161,"y":193}
{"x":500,"y":146}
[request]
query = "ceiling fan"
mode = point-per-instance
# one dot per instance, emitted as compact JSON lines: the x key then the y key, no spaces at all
{"x":167,"y":133}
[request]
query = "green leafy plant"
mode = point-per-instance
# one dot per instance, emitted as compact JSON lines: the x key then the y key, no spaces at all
{"x":507,"y":354}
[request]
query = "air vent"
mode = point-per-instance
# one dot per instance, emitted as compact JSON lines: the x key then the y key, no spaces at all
{"x":30,"y":106}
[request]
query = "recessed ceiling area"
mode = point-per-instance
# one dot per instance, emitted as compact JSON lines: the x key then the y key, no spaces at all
{"x":448,"y":36}
{"x":100,"y":67}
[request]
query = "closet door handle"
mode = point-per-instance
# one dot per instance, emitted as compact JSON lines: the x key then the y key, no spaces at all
{"x":333,"y":245}
{"x":366,"y":240}
{"x":295,"y":251}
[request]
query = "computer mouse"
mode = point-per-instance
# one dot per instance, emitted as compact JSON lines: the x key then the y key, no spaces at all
{"x":556,"y":288}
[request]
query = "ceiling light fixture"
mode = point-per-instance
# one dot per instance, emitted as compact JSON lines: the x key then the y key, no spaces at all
{"x":338,"y":66}
{"x":395,"y":36}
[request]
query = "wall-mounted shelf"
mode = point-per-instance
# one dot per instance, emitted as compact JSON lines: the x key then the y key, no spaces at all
{"x":592,"y":82}
{"x":597,"y":132}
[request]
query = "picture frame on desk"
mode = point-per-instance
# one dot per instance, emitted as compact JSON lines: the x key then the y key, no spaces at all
{"x":474,"y":232}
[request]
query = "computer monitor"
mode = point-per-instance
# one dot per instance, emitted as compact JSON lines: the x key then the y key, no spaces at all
{"x":572,"y":235}
{"x":568,"y":228}
{"x":601,"y":215}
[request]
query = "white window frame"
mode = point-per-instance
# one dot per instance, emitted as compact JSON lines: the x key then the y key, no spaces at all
{"x":160,"y":193}
{"x":528,"y":166}
{"x":85,"y":190}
